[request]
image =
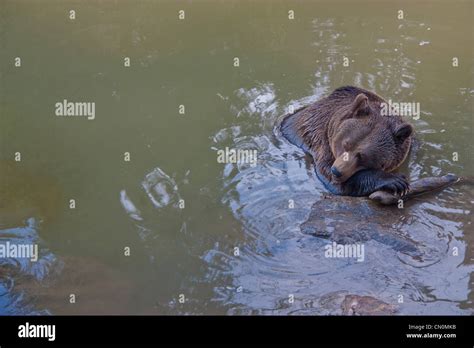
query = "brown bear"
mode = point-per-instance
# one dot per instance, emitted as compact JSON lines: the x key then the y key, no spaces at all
{"x":355,"y":148}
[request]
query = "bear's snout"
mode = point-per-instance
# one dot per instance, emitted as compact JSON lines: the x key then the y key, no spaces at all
{"x":337,"y":174}
{"x":344,"y":167}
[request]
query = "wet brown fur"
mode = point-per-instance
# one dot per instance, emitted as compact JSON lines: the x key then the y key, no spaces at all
{"x":349,"y":122}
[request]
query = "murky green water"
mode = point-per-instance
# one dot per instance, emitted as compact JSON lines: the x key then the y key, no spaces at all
{"x":190,"y":252}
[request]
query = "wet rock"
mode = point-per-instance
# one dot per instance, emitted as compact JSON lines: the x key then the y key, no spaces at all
{"x":366,"y":305}
{"x":417,"y":188}
{"x":348,"y":220}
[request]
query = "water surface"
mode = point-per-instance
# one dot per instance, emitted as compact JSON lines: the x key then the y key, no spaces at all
{"x":191,"y":250}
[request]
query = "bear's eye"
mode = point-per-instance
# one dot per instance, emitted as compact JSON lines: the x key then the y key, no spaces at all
{"x":346,"y":145}
{"x":359,"y":156}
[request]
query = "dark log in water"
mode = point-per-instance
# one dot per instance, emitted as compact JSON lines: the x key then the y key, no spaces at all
{"x":419,"y":187}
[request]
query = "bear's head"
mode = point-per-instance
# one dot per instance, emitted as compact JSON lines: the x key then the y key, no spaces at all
{"x":360,"y":138}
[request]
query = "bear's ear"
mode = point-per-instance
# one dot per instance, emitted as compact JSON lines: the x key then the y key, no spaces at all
{"x":360,"y":105}
{"x":403,"y":131}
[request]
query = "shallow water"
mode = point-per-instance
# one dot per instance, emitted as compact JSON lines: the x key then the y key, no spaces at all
{"x":190,"y":250}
